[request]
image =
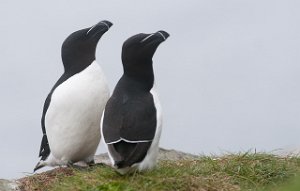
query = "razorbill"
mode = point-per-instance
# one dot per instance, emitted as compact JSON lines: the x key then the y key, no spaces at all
{"x":73,"y":108}
{"x":132,"y":119}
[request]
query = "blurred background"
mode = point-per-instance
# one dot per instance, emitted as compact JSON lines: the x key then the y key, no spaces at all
{"x":228,"y":76}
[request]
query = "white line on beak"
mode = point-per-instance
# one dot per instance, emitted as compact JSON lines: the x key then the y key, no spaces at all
{"x":162,"y":35}
{"x":90,"y":29}
{"x":95,"y":25}
{"x":146,"y":38}
{"x":105,"y":24}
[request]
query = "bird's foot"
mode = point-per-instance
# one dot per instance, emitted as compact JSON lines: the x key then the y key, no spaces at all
{"x":70,"y":164}
{"x":91,"y":163}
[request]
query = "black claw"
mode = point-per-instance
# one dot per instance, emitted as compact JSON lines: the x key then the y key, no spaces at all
{"x":91,"y":163}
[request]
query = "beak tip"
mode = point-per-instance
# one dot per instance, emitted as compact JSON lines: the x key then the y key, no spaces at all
{"x":164,"y":34}
{"x":107,"y":23}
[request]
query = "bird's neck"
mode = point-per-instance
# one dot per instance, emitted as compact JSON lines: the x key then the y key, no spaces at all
{"x":140,"y":75}
{"x":75,"y":63}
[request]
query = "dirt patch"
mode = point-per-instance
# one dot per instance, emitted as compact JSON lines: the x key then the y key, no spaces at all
{"x":31,"y":183}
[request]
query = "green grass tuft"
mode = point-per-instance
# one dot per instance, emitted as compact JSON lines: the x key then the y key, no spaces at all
{"x":243,"y":172}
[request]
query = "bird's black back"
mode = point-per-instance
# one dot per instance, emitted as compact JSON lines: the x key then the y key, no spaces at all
{"x":130,"y":113}
{"x":129,"y":120}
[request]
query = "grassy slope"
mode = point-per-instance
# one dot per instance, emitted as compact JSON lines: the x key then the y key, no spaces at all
{"x":233,"y":172}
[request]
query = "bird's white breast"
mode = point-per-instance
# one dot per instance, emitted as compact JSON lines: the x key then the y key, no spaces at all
{"x":73,"y":117}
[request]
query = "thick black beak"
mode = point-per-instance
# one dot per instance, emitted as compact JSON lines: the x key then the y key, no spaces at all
{"x":99,"y":28}
{"x":157,"y":37}
{"x":162,"y":34}
{"x":108,"y":24}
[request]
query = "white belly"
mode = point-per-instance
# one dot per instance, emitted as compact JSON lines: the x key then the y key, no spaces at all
{"x":73,"y":118}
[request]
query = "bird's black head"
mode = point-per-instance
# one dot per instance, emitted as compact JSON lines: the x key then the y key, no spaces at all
{"x":78,"y":50}
{"x":141,"y":47}
{"x":138,"y":50}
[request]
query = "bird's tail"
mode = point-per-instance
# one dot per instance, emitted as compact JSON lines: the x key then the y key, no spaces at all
{"x":125,"y":154}
{"x":39,"y":165}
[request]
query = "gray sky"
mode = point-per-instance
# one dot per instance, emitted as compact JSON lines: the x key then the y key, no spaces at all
{"x":228,"y":76}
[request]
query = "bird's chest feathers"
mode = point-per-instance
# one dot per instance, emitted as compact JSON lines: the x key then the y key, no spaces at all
{"x":78,"y":97}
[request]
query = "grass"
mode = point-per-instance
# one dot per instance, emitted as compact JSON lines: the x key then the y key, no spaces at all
{"x":241,"y":172}
{"x":291,"y":185}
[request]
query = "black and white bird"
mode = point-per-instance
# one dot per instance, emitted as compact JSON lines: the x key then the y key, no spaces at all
{"x":132,"y":119}
{"x":72,"y":111}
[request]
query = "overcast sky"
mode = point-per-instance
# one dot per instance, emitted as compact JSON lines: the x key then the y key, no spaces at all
{"x":228,"y":76}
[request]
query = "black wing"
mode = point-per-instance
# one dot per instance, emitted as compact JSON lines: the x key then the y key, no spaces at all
{"x":129,"y":127}
{"x":45,"y":149}
{"x":132,"y":119}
